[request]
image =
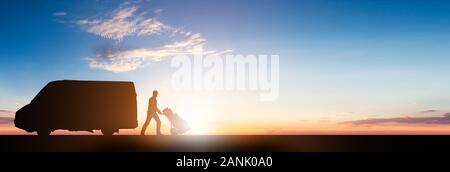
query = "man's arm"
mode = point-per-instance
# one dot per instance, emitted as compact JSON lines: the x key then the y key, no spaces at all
{"x":157,"y":109}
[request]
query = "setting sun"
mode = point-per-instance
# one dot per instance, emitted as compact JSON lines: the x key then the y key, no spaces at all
{"x":198,"y":112}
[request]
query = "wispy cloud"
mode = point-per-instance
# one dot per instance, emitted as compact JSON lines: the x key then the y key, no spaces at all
{"x":60,"y":13}
{"x":124,"y":22}
{"x":441,"y":119}
{"x":429,"y":111}
{"x":6,"y":120}
{"x":6,"y":113}
{"x":128,"y":21}
{"x":132,"y":59}
{"x":5,"y":117}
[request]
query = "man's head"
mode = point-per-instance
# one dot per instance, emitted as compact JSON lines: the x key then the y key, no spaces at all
{"x":155,"y":93}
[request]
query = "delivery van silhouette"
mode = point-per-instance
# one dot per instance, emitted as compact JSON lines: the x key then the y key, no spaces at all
{"x":80,"y":106}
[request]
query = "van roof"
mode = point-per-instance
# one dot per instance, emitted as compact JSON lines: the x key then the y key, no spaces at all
{"x":88,"y":81}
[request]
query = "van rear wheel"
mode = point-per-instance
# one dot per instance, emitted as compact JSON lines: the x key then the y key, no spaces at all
{"x":107,"y":132}
{"x":43,"y":132}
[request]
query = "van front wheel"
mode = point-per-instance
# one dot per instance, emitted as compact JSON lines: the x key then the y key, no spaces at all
{"x":107,"y":132}
{"x":43,"y":132}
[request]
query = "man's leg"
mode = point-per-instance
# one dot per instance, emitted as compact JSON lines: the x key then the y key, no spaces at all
{"x":158,"y":124}
{"x":147,"y":121}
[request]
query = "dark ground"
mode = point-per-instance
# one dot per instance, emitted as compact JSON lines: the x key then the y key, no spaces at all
{"x":292,"y":143}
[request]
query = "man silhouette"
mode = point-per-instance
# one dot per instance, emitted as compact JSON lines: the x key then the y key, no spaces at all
{"x":151,"y":113}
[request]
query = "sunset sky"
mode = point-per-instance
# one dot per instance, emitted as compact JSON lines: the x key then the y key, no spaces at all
{"x":346,"y":67}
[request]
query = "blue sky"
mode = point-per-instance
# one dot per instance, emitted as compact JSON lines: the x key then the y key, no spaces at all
{"x":359,"y":58}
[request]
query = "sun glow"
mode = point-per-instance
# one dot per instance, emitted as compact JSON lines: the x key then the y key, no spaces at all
{"x":197,"y":112}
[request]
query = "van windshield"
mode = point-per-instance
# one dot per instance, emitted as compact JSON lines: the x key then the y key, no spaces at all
{"x":43,"y":93}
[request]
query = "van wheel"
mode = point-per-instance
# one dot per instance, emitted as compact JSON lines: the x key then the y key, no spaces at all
{"x":43,"y":132}
{"x":107,"y":132}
